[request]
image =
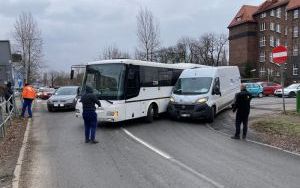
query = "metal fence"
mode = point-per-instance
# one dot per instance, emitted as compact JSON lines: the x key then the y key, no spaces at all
{"x":7,"y":111}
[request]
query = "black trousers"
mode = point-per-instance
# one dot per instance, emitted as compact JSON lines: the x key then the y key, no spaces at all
{"x":238,"y":121}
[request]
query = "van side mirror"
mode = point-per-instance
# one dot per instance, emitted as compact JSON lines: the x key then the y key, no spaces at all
{"x":72,"y":74}
{"x":216,"y":91}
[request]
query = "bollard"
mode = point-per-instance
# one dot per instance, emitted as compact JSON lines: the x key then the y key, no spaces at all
{"x":298,"y":101}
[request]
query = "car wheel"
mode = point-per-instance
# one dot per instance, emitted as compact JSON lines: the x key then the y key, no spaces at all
{"x":212,"y":115}
{"x":150,"y":114}
{"x":292,"y":94}
{"x":260,"y":95}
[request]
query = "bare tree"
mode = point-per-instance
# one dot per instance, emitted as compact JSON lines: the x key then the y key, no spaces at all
{"x":148,"y":35}
{"x":113,"y":52}
{"x":29,"y":42}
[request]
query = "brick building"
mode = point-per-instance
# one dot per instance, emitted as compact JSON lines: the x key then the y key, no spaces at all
{"x":256,"y":30}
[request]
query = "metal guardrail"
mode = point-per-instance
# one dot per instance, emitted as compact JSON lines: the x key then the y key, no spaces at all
{"x":7,"y":109}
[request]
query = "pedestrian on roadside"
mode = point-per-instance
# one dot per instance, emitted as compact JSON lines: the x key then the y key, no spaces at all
{"x":28,"y":95}
{"x":242,"y":108}
{"x":89,"y":100}
{"x":8,"y":97}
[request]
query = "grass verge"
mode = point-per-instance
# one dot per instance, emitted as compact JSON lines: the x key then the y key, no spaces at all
{"x":280,"y":130}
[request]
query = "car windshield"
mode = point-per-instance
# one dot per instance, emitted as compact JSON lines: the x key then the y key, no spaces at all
{"x":106,"y":80}
{"x":66,"y":91}
{"x":192,"y":86}
{"x":293,"y":86}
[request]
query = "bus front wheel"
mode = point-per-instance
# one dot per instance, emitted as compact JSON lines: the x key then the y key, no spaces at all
{"x":150,"y":114}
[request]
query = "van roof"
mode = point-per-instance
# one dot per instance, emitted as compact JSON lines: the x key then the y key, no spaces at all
{"x":204,"y":72}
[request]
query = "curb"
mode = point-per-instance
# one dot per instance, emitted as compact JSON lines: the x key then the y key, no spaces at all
{"x":17,"y":171}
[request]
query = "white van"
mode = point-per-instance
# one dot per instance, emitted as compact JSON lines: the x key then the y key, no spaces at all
{"x":204,"y":92}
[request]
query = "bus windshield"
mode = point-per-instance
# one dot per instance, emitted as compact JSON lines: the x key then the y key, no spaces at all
{"x":106,"y":80}
{"x":192,"y":86}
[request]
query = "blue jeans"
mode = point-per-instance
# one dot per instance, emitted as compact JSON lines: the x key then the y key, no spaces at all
{"x":90,"y":124}
{"x":27,"y":104}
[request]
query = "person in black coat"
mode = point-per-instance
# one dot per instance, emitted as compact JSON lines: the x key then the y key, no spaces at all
{"x":89,"y":100}
{"x":242,"y":108}
{"x":7,"y":95}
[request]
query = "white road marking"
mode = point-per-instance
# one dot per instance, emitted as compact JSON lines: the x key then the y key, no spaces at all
{"x":255,"y":142}
{"x":17,"y":171}
{"x":168,"y":157}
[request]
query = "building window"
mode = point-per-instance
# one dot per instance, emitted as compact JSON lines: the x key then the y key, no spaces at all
{"x":277,"y":43}
{"x":262,"y":56}
{"x":271,"y":57}
{"x":278,"y":28}
{"x":285,"y":30}
{"x":263,"y":15}
{"x":278,"y":12}
{"x":262,"y":26}
{"x":295,"y":69}
{"x":262,"y":71}
{"x":296,"y":13}
{"x":238,"y":19}
{"x":286,"y":44}
{"x":272,"y":26}
{"x":272,"y":13}
{"x":286,"y":15}
{"x":295,"y":31}
{"x":295,"y":50}
{"x":272,"y":41}
{"x":262,"y":41}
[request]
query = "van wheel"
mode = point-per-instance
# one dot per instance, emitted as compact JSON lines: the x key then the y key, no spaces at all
{"x":150,"y":114}
{"x":292,"y":94}
{"x":212,"y":115}
{"x":260,"y":95}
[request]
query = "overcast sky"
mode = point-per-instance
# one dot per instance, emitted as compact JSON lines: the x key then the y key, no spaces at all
{"x":75,"y":31}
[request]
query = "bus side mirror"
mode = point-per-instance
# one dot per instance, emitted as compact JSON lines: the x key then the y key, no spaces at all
{"x":72,"y":74}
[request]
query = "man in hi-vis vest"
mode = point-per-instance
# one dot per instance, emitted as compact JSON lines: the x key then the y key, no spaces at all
{"x":28,"y":95}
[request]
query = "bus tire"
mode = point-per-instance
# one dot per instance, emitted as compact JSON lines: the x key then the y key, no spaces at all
{"x":150,"y":114}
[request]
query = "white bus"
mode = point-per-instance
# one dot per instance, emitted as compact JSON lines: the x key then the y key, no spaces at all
{"x":129,"y":89}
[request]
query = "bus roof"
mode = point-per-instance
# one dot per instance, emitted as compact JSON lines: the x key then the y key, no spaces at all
{"x":148,"y":63}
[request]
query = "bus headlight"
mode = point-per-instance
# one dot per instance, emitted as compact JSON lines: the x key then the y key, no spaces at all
{"x":112,"y":113}
{"x":172,"y":99}
{"x":202,"y":100}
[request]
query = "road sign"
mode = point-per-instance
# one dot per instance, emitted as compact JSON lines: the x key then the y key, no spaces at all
{"x":279,"y":54}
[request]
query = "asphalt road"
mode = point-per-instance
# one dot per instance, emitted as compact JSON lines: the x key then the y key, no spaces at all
{"x":162,"y":154}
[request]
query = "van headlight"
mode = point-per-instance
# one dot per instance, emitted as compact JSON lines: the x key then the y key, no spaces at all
{"x":112,"y":113}
{"x":172,"y":99}
{"x":202,"y":100}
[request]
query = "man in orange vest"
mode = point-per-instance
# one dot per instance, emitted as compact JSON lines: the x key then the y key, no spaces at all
{"x":28,"y":95}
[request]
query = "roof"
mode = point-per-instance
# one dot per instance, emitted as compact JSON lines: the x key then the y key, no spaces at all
{"x":147,"y":63}
{"x":244,"y":15}
{"x":293,"y":4}
{"x":270,"y":4}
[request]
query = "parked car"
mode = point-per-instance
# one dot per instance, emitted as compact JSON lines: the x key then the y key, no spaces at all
{"x":289,"y":91}
{"x":46,"y":93}
{"x":254,"y":89}
{"x":269,"y":87}
{"x":64,"y":98}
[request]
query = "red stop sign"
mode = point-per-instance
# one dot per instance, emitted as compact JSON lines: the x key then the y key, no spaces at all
{"x":279,"y":54}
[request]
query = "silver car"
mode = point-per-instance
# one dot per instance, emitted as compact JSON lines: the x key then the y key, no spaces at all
{"x":64,"y":98}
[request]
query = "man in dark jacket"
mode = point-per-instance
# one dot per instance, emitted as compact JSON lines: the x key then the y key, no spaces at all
{"x":8,"y":98}
{"x":242,"y":106}
{"x":89,"y":115}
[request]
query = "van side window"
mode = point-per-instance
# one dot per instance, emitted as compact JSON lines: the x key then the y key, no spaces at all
{"x":216,"y":86}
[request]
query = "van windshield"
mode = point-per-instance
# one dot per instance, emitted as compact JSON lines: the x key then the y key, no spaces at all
{"x":192,"y":86}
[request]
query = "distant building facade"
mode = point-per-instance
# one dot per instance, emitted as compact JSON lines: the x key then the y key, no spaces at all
{"x":256,"y":30}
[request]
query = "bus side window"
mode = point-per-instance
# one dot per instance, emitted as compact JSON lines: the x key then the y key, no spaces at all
{"x":175,"y":76}
{"x":165,"y":77}
{"x":133,"y":82}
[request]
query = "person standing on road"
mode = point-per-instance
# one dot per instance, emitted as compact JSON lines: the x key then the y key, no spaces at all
{"x":242,"y":106}
{"x":8,"y":93}
{"x":89,"y":100}
{"x":28,"y":96}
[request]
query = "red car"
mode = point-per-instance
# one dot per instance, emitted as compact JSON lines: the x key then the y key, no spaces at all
{"x":269,"y":87}
{"x":46,"y":93}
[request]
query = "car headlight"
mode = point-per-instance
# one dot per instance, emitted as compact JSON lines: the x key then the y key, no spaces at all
{"x":202,"y":100}
{"x":172,"y":99}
